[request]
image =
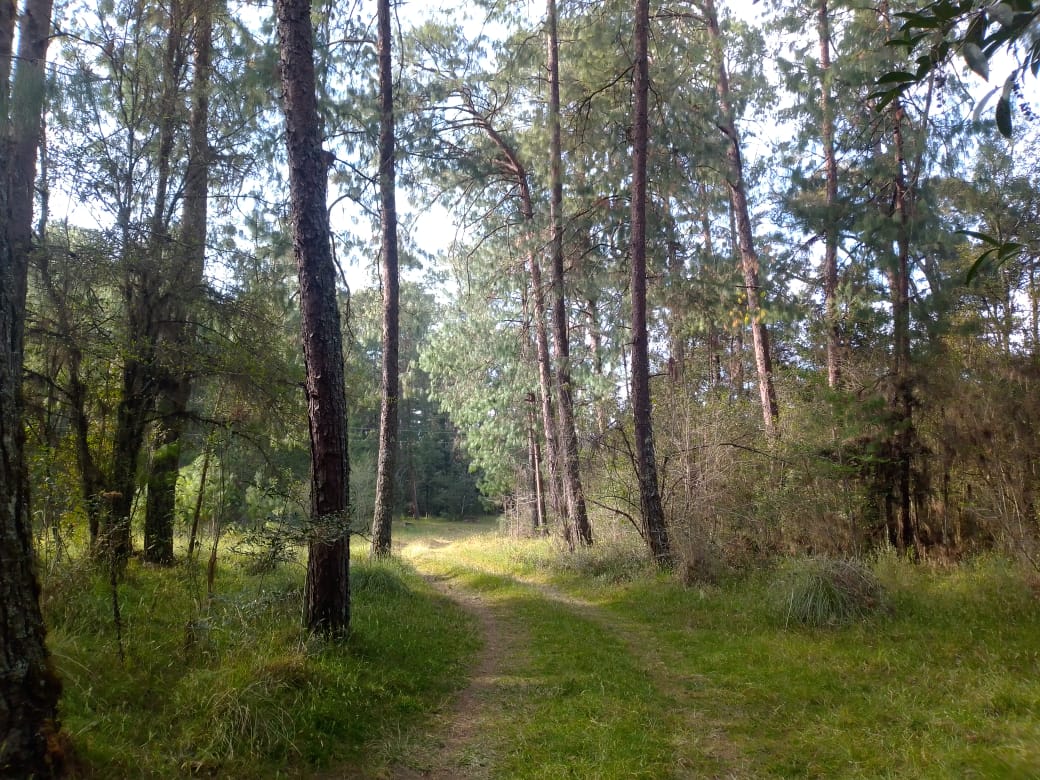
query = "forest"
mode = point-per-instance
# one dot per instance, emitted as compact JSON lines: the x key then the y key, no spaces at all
{"x":674,"y":366}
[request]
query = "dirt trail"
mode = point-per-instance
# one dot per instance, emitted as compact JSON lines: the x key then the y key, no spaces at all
{"x":449,"y":749}
{"x":453,"y":744}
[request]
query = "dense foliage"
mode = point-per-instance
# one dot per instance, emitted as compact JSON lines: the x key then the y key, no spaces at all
{"x":904,"y":372}
{"x":753,"y":279}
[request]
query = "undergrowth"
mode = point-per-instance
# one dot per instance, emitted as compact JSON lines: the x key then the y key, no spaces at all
{"x":820,"y":592}
{"x":233,"y":686}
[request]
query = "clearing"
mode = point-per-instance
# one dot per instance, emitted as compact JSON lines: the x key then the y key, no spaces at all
{"x":593,"y":668}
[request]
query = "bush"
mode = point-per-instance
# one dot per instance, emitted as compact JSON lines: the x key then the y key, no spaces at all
{"x":822,"y":592}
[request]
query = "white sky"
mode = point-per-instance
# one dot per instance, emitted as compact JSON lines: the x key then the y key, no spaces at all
{"x":435,"y":230}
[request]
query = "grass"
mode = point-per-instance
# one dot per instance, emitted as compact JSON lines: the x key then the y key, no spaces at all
{"x":821,"y":592}
{"x":943,"y":682}
{"x":235,"y":688}
{"x":570,"y":701}
{"x":604,"y":668}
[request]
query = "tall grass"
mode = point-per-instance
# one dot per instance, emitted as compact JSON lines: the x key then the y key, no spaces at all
{"x":820,"y":592}
{"x":233,"y":686}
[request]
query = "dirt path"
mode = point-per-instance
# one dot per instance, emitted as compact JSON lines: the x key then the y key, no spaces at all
{"x":451,"y":746}
{"x":455,"y":743}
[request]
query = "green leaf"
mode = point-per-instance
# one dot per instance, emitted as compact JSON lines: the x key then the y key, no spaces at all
{"x":897,"y":77}
{"x":917,"y":21}
{"x":1003,"y":116}
{"x":983,"y":237}
{"x":978,"y":266}
{"x":1002,"y":13}
{"x":999,"y":252}
{"x":976,"y":59}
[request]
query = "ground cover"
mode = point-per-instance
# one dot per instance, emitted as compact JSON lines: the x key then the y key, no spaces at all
{"x":941,"y":682}
{"x":475,"y":655}
{"x":232,"y":687}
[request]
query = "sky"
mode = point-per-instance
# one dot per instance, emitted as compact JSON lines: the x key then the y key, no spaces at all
{"x":433,"y":229}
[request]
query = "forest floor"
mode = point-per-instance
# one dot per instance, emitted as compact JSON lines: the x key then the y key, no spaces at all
{"x":456,"y":744}
{"x":475,"y":654}
{"x":603,"y":671}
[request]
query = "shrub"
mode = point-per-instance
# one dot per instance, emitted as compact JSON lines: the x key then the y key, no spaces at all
{"x":821,"y":592}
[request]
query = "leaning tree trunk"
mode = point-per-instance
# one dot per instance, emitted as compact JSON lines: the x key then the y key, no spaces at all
{"x":576,"y":511}
{"x":745,"y":235}
{"x":515,"y":167}
{"x":29,"y":688}
{"x":175,"y":382}
{"x":327,"y":598}
{"x":387,"y":458}
{"x":655,"y":532}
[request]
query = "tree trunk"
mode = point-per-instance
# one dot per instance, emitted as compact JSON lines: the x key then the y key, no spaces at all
{"x":596,"y":346}
{"x":193,"y":532}
{"x":120,"y":480}
{"x":387,"y":458}
{"x":146,"y":295}
{"x":577,"y":513}
{"x":515,"y":167}
{"x":29,"y":688}
{"x":545,"y":389}
{"x":539,"y":522}
{"x":534,"y":464}
{"x":161,"y":504}
{"x":327,"y":597}
{"x":655,"y":532}
{"x":831,"y":229}
{"x":903,"y":442}
{"x":175,"y":383}
{"x":745,"y":234}
{"x":714,"y":347}
{"x":904,"y":436}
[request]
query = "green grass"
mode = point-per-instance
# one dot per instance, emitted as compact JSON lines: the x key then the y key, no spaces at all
{"x":236,"y":688}
{"x":942,"y":682}
{"x":604,"y":668}
{"x":571,"y":703}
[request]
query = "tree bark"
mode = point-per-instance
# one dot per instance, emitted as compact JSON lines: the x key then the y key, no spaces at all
{"x":577,"y":512}
{"x":902,"y":534}
{"x":903,"y":437}
{"x":175,"y":383}
{"x":831,"y":229}
{"x":29,"y":687}
{"x":146,"y":294}
{"x":515,"y":167}
{"x":387,"y":457}
{"x":596,"y":347}
{"x":327,"y":597}
{"x":745,"y":235}
{"x":545,"y":384}
{"x":655,"y":531}
{"x":534,"y":457}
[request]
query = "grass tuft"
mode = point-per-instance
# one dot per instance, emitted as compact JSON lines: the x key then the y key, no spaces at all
{"x":243,"y":708}
{"x":823,"y":592}
{"x":609,"y":560}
